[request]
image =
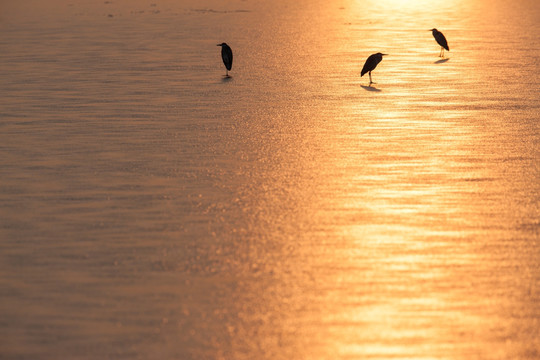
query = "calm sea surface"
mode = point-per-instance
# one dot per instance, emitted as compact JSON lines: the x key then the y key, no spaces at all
{"x":151,"y":208}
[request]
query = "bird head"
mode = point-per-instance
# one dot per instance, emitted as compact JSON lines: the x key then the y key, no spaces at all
{"x":222,"y":44}
{"x":433,"y":30}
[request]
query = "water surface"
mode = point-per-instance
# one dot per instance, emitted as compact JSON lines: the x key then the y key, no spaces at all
{"x":152,"y":209}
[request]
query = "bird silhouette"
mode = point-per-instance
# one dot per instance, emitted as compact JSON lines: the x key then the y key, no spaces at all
{"x":370,"y":65}
{"x":226,"y":55}
{"x":441,"y":40}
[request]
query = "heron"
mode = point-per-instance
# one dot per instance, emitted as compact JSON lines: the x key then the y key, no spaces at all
{"x":441,"y":40}
{"x":226,"y":55}
{"x":370,"y":65}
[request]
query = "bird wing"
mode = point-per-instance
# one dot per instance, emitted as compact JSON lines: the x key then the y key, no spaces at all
{"x":370,"y":65}
{"x":227,"y":57}
{"x":367,"y":66}
{"x":364,"y":69}
{"x":441,"y":40}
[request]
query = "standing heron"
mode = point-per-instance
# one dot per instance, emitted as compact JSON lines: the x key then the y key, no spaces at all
{"x":226,"y":55}
{"x":441,"y":40}
{"x":370,"y":65}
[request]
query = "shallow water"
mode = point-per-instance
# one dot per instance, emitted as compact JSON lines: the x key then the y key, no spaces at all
{"x":152,"y":209}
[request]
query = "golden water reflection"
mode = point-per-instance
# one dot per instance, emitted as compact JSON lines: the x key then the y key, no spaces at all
{"x":415,"y":214}
{"x":152,"y":210}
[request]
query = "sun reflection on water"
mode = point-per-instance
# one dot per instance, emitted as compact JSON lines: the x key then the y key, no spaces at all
{"x":153,"y":210}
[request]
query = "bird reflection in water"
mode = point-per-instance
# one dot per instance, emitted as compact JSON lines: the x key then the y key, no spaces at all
{"x":370,"y":88}
{"x":441,"y":61}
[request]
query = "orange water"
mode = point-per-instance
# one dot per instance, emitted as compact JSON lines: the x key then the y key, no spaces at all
{"x":152,"y":209}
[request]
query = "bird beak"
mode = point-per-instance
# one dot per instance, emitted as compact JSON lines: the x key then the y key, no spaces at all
{"x":385,"y":54}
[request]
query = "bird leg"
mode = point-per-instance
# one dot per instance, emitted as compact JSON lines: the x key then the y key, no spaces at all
{"x":370,"y":82}
{"x":441,"y":53}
